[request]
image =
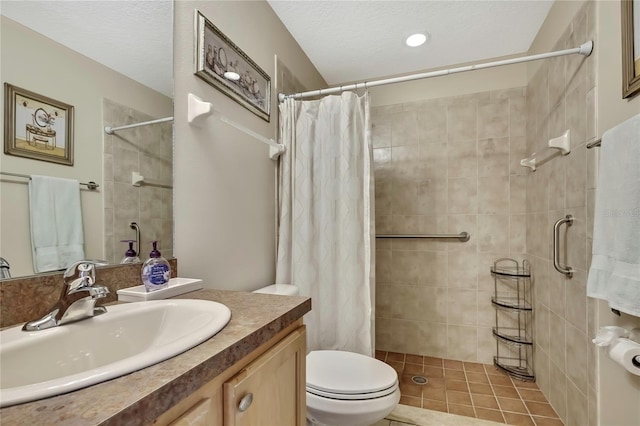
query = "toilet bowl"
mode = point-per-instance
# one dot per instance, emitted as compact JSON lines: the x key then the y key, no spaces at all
{"x":345,"y":388}
{"x":281,"y":289}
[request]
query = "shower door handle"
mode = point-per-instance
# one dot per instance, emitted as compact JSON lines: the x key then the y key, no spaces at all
{"x":567,"y":270}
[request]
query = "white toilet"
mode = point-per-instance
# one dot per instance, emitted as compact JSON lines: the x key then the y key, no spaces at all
{"x":345,"y":388}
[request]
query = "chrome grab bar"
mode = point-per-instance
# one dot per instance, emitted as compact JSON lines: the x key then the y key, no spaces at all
{"x":463,"y":236}
{"x":567,"y":270}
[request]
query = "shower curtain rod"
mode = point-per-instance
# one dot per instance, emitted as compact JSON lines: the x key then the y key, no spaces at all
{"x":110,"y":130}
{"x":584,"y":49}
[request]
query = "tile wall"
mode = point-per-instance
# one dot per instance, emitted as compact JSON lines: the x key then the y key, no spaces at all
{"x":147,"y":150}
{"x":445,"y":166}
{"x":562,"y":95}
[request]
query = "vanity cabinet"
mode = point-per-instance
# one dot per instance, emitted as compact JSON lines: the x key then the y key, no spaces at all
{"x":267,"y":388}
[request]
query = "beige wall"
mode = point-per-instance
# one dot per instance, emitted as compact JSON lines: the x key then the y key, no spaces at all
{"x":224,"y":179}
{"x":619,"y":390}
{"x":36,"y":63}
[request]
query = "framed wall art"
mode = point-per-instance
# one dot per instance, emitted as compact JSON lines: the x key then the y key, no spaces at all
{"x":37,"y":127}
{"x":226,"y":67}
{"x":630,"y":10}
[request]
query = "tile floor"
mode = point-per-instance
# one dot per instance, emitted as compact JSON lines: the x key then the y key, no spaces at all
{"x":470,"y":389}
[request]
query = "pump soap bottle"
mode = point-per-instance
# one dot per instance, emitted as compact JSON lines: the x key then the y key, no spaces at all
{"x":130,"y":256}
{"x":155,"y":271}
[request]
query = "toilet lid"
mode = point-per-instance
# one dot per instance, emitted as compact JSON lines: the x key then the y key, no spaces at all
{"x":347,"y":373}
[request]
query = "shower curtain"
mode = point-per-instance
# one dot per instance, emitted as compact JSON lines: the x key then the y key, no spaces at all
{"x":326,"y":218}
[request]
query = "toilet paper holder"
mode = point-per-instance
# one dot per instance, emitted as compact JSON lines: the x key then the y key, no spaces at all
{"x":622,"y":346}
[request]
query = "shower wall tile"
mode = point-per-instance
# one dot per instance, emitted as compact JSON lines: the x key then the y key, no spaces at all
{"x":557,"y":390}
{"x":404,"y":129}
{"x":462,"y":160}
{"x":517,"y":194}
{"x":518,"y":233}
{"x":557,"y":338}
{"x":462,"y":342}
{"x":577,"y":406}
{"x":577,"y":369}
{"x":381,"y":134}
{"x":493,"y":232}
{"x":564,"y":316}
{"x":517,"y":151}
{"x":463,"y":270}
{"x":493,"y":119}
{"x":493,"y":194}
{"x":460,"y":173}
{"x":493,"y":157}
{"x":461,"y":122}
{"x":432,"y":124}
{"x":462,"y":196}
{"x":462,"y":304}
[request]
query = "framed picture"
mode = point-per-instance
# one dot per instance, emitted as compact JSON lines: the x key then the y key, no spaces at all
{"x":630,"y":47}
{"x":226,"y":67}
{"x":37,"y":127}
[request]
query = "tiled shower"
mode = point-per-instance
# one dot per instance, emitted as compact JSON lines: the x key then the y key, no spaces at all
{"x":450,"y":165}
{"x":147,"y":150}
{"x":446,"y":166}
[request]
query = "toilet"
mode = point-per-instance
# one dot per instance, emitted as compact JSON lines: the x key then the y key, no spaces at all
{"x":345,"y":388}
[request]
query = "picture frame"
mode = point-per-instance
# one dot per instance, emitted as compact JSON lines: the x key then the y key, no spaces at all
{"x":630,"y":20}
{"x":37,"y":127}
{"x":216,"y":55}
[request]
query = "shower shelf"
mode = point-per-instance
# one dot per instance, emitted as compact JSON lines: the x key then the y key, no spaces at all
{"x":511,"y":336}
{"x":513,"y":303}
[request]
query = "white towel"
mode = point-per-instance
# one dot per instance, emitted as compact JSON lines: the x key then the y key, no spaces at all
{"x":57,"y":239}
{"x":615,"y":267}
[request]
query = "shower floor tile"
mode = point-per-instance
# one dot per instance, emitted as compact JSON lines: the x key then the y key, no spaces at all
{"x":469,"y":389}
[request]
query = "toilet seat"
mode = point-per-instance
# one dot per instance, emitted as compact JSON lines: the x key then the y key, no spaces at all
{"x":349,"y":376}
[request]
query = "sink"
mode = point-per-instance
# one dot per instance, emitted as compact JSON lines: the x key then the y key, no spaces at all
{"x":127,"y":338}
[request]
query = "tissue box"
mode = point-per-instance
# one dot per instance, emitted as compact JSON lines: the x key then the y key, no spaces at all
{"x":176,"y":287}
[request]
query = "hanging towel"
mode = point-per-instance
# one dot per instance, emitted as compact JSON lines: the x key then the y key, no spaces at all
{"x":57,"y":239}
{"x":615,"y":267}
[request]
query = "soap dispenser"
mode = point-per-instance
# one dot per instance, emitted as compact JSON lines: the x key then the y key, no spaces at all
{"x":155,"y":270}
{"x":130,"y":256}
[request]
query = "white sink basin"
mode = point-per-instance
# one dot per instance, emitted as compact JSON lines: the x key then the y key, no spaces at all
{"x":127,"y":338}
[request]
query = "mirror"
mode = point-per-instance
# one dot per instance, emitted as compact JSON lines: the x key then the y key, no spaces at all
{"x":112,"y":61}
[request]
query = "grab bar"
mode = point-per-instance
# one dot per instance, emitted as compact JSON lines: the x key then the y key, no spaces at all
{"x":463,"y":236}
{"x":567,"y":270}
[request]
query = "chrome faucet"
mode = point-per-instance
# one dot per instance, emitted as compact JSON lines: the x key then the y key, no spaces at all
{"x":77,"y":299}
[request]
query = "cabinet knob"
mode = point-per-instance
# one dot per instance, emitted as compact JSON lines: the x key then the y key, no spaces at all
{"x":245,"y":402}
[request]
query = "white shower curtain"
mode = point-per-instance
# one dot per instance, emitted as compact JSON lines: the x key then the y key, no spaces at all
{"x":326,"y":219}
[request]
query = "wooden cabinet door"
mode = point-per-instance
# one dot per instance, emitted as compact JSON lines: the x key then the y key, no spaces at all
{"x":271,"y":390}
{"x":202,"y":413}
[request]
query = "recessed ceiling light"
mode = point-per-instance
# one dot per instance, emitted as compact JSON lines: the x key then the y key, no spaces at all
{"x":416,"y":40}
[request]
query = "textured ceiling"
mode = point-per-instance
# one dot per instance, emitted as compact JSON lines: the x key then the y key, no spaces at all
{"x":351,"y":41}
{"x":134,"y":38}
{"x":346,"y":40}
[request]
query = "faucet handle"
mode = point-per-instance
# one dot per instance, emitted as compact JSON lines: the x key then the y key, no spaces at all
{"x":81,"y":267}
{"x":81,"y":274}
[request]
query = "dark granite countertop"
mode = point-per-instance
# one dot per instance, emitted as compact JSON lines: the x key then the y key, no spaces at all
{"x":140,"y":397}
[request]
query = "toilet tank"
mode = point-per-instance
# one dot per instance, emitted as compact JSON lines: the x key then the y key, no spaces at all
{"x":281,"y":289}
